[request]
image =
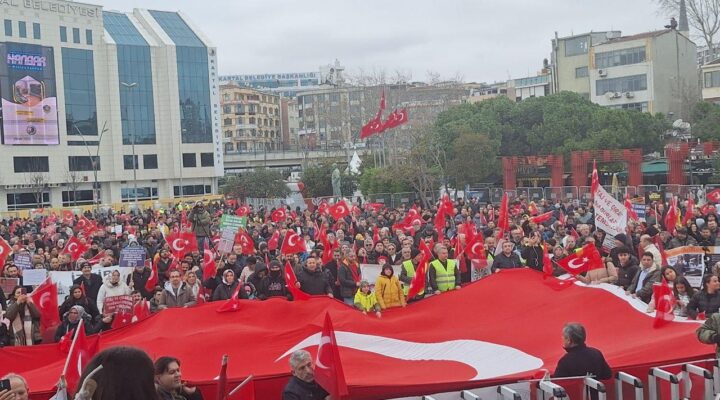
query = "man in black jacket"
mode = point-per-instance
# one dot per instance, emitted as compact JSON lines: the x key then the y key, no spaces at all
{"x":627,"y":267}
{"x":273,"y":285}
{"x":580,"y":359}
{"x":507,"y":258}
{"x":312,"y":280}
{"x":91,"y":282}
{"x":302,"y":385}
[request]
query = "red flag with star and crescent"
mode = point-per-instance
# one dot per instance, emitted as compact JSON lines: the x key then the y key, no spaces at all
{"x":328,"y":368}
{"x":293,"y":243}
{"x":75,"y":248}
{"x":82,"y":350}
{"x":181,"y":243}
{"x":586,"y":259}
{"x":246,"y":242}
{"x":664,"y":304}
{"x":291,"y":280}
{"x":45,"y":299}
{"x":5,"y":250}
{"x":339,"y":210}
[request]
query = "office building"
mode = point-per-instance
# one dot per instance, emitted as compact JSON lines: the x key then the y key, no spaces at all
{"x":130,"y":96}
{"x":289,"y":84}
{"x":250,"y":119}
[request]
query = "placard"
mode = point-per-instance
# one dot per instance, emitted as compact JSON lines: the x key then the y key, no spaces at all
{"x":132,"y":256}
{"x":121,"y":303}
{"x":610,"y":214}
{"x":370,"y":272}
{"x":232,"y":221}
{"x":227,"y":240}
{"x":689,"y":261}
{"x":64,"y":279}
{"x":33,"y":277}
{"x":23,"y":261}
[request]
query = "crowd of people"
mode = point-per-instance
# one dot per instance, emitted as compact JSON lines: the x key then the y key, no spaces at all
{"x":398,"y":240}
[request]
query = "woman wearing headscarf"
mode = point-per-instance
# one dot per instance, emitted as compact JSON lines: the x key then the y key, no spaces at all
{"x":70,"y":321}
{"x":77,"y":298}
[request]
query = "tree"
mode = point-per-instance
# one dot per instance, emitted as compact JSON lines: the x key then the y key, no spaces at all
{"x":465,"y":166}
{"x":384,"y":180}
{"x":259,"y":183}
{"x":705,"y":120}
{"x":316,"y":179}
{"x":37,"y":179}
{"x":703,"y":15}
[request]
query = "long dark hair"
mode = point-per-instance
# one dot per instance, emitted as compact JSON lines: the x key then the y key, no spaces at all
{"x":127,"y":374}
{"x":680,"y":280}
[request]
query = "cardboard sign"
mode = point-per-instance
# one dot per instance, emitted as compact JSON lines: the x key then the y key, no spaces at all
{"x":23,"y":261}
{"x":33,"y":277}
{"x":689,"y":261}
{"x":117,"y":304}
{"x":64,"y":279}
{"x":132,"y":256}
{"x":610,"y":214}
{"x":227,"y":240}
{"x":232,"y":221}
{"x":370,"y":272}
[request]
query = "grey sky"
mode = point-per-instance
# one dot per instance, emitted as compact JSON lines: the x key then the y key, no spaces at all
{"x":481,"y":40}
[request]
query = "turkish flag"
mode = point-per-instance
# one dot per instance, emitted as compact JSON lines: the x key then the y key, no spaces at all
{"x":446,"y":205}
{"x":209,"y":269}
{"x":541,"y":218}
{"x":45,"y":298}
{"x":671,"y":216}
{"x":547,"y":263}
{"x":439,"y":223}
{"x":82,"y":224}
{"x":246,"y":242}
{"x":532,"y":208}
{"x":242,"y":211}
{"x":82,"y":350}
{"x":595,"y":181}
{"x":688,"y":213}
{"x":181,"y":243}
{"x":233,"y":303}
{"x":630,"y":211}
{"x":382,"y":101}
{"x":419,"y":281}
{"x":586,"y":259}
{"x":425,"y":250}
{"x":222,"y":379}
{"x":713,"y":196}
{"x":68,"y":217}
{"x":661,"y":248}
{"x":5,"y":250}
{"x":664,"y":304}
{"x":574,"y":234}
{"x":504,"y":217}
{"x":121,"y":318}
{"x":475,"y":249}
{"x":97,"y":258}
{"x":293,"y":243}
{"x":75,"y":248}
{"x":291,"y":280}
{"x":141,"y":310}
{"x":322,"y":207}
{"x":376,"y":234}
{"x":376,"y":207}
{"x":372,"y":127}
{"x":200,"y":299}
{"x":152,"y":280}
{"x":339,"y":210}
{"x":279,"y":215}
{"x":328,"y":368}
{"x":274,"y":241}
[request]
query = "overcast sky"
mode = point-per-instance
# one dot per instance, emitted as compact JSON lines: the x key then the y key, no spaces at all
{"x":481,"y":40}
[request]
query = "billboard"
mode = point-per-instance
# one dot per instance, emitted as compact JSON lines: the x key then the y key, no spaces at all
{"x":29,"y":114}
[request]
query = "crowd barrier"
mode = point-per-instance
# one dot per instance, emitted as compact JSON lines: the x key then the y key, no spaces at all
{"x":116,"y":207}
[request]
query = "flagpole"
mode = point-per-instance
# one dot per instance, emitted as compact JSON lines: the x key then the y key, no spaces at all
{"x":72,"y":347}
{"x":240,"y":386}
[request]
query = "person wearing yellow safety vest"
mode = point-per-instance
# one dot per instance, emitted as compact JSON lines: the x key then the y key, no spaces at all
{"x":444,"y":273}
{"x":407,"y":272}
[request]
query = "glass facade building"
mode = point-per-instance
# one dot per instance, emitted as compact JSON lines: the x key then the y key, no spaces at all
{"x":193,"y":78}
{"x":79,"y":79}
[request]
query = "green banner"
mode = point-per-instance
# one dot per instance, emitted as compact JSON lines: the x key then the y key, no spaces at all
{"x":232,"y":221}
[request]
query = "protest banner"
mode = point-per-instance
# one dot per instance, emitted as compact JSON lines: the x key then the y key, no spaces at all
{"x":232,"y":221}
{"x":8,"y":284}
{"x":370,"y":272}
{"x":121,"y":303}
{"x":638,"y":205}
{"x":132,"y":256}
{"x":689,"y":261}
{"x":227,"y":240}
{"x":610,"y":214}
{"x":23,"y":261}
{"x":33,"y":277}
{"x":64,"y":279}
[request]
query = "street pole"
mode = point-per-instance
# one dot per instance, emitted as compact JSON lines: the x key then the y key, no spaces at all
{"x":134,"y":159}
{"x":94,"y":162}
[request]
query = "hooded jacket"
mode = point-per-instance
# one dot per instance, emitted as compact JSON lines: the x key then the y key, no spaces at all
{"x":272,"y":286}
{"x":184,"y":297}
{"x":388,"y":291}
{"x":110,"y":290}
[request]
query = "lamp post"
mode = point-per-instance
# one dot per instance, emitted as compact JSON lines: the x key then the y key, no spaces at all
{"x":129,"y":86}
{"x":94,"y":161}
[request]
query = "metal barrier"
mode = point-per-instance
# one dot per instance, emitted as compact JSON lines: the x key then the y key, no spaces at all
{"x":624,"y":378}
{"x":505,"y":393}
{"x":658,"y":373}
{"x":716,"y":376}
{"x":642,"y":189}
{"x":398,"y":199}
{"x":552,"y":389}
{"x":594,"y":384}
{"x":708,"y":380}
{"x":561,"y":193}
{"x":468,"y":395}
{"x":531,"y":193}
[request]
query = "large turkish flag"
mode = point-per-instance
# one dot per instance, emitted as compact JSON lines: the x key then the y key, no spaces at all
{"x":512,"y":331}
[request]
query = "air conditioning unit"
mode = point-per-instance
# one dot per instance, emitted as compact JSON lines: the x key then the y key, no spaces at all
{"x":53,"y":185}
{"x":9,"y":187}
{"x":629,"y":95}
{"x":617,"y":95}
{"x":610,"y":95}
{"x":602,"y":73}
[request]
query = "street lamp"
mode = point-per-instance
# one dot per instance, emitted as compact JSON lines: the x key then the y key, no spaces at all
{"x":94,"y":161}
{"x":129,"y":86}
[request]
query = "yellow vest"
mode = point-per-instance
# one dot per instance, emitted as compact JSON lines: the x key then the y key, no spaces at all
{"x":445,"y":279}
{"x":367,"y":303}
{"x":409,"y":268}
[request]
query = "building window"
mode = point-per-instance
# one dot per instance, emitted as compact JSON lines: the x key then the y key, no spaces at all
{"x":128,"y":162}
{"x":150,"y":161}
{"x":620,"y":57}
{"x":193,"y":190}
{"x":77,"y":197}
{"x":576,"y":46}
{"x":712,"y":79}
{"x":76,"y":35}
{"x":207,"y":160}
{"x":83,"y":163}
{"x":31,"y":164}
{"x":18,"y":201}
{"x":581,"y":72}
{"x":142,"y":193}
{"x":227,"y":121}
{"x":643,"y":106}
{"x":189,"y":160}
{"x":63,"y":34}
{"x":8,"y":27}
{"x":36,"y":30}
{"x":80,"y":106}
{"x":22,"y":29}
{"x":88,"y":36}
{"x":631,"y":83}
{"x":227,"y":109}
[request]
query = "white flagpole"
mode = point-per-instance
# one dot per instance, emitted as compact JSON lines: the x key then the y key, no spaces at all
{"x":72,"y":347}
{"x":240,"y":386}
